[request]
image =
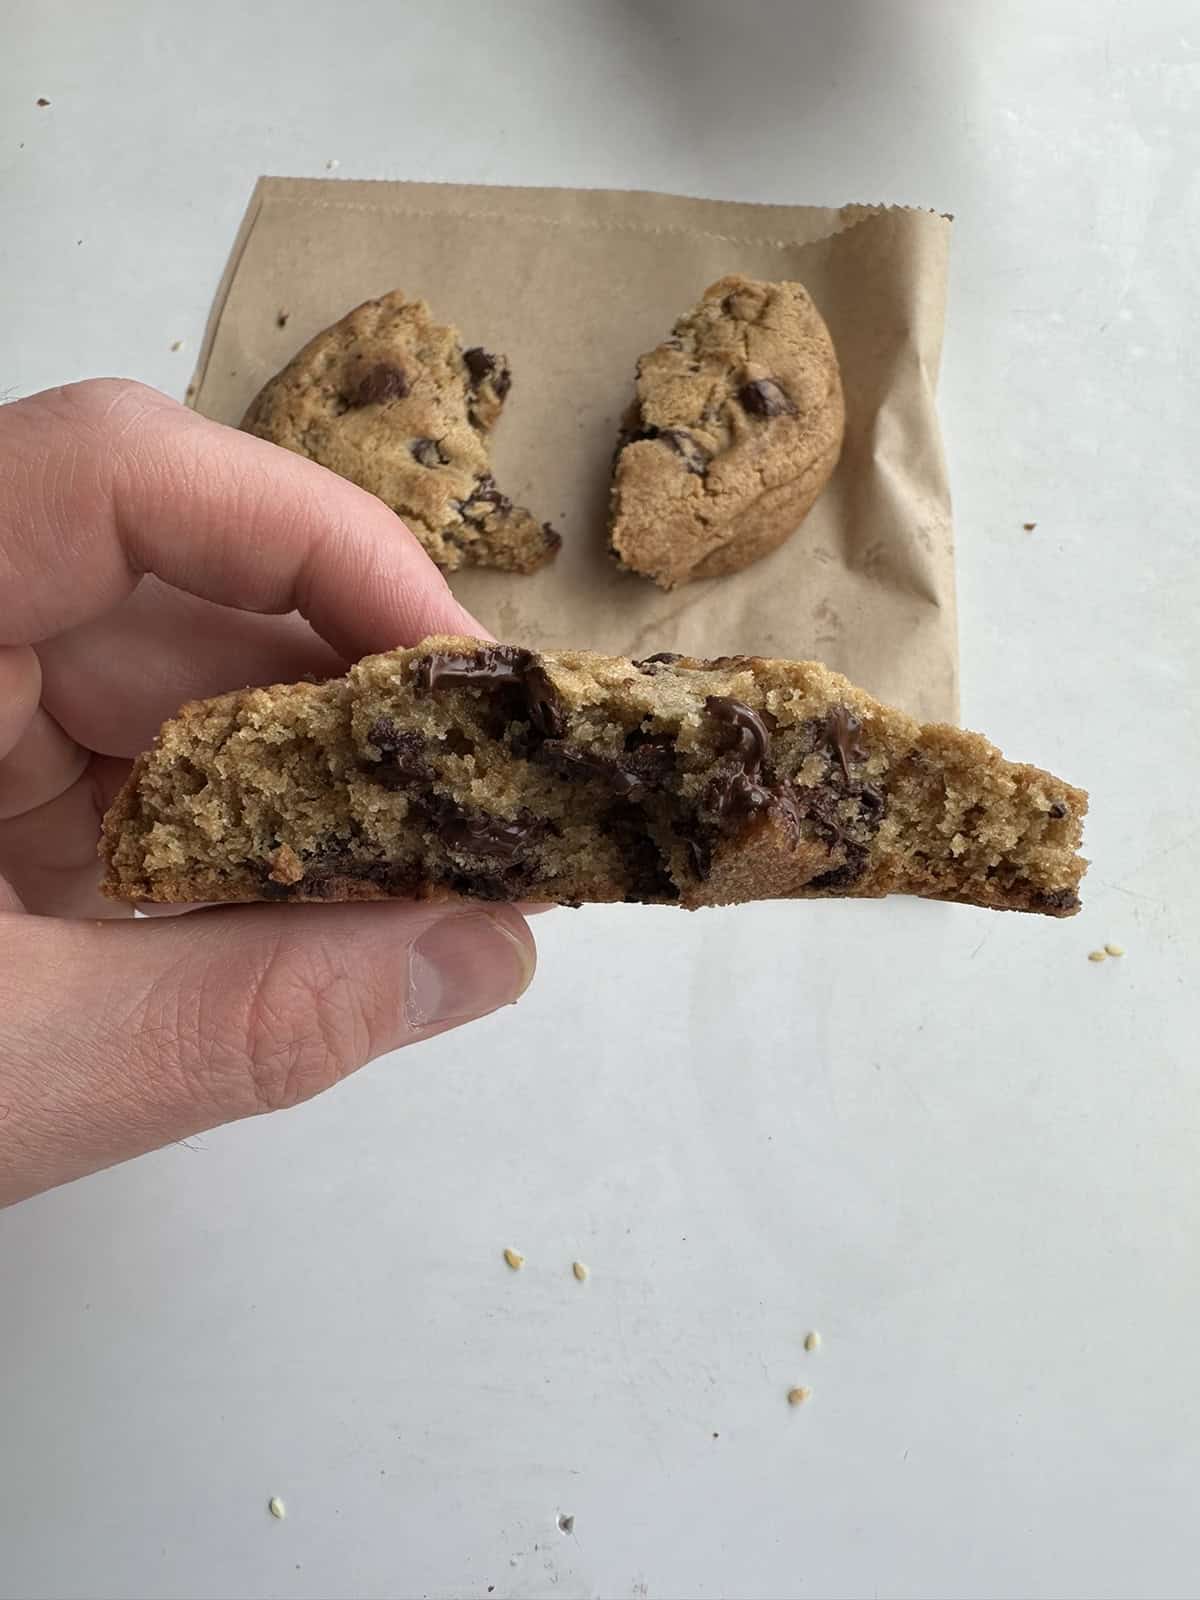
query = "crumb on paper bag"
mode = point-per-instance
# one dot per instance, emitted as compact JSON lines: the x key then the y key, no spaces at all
{"x":580,"y":1271}
{"x":1112,"y":949}
{"x":800,"y":1395}
{"x":812,"y":1341}
{"x":1029,"y":526}
{"x":42,"y":101}
{"x":514,"y":1258}
{"x":281,"y":318}
{"x":277,"y":1508}
{"x":1097,"y":955}
{"x":176,"y":344}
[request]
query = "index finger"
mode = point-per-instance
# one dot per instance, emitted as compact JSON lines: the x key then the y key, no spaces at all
{"x":104,"y":481}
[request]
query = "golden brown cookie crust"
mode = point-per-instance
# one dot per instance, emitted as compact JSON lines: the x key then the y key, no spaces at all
{"x":736,"y":426}
{"x":486,"y":770}
{"x":390,"y":399}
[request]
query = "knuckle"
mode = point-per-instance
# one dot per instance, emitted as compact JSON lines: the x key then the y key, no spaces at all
{"x":102,"y":402}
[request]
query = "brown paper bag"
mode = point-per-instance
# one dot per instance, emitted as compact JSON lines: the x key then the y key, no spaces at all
{"x":573,"y":285}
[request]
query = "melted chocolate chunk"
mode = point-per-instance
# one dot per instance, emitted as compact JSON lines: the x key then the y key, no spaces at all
{"x":1058,"y":810}
{"x":739,"y":789}
{"x":844,"y":733}
{"x":498,"y":666}
{"x":764,"y":398}
{"x":403,"y":755}
{"x":752,"y":733}
{"x":428,"y":452}
{"x":689,"y":449}
{"x":644,"y":765}
{"x":383,"y":381}
{"x":478,"y":834}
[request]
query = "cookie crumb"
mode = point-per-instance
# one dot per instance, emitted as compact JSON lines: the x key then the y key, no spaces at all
{"x":1029,"y":526}
{"x":277,"y":1508}
{"x":566,"y":1524}
{"x":580,"y":1271}
{"x":177,"y":344}
{"x":1097,"y":955}
{"x":812,"y":1341}
{"x":331,"y":165}
{"x":281,"y":318}
{"x":799,"y":1395}
{"x":1114,"y":949}
{"x":42,"y":101}
{"x":514,"y":1258}
{"x":286,"y":866}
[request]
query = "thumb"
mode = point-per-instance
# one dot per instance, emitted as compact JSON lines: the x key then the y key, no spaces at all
{"x":117,"y":1037}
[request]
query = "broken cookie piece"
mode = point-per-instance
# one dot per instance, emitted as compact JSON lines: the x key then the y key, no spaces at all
{"x":389,"y":399}
{"x":462,"y":768}
{"x":735,"y":429}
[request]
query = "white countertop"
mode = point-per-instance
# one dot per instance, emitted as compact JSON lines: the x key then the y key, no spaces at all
{"x":966,"y":1155}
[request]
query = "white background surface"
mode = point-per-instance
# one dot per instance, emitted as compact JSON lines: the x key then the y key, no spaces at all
{"x":966,"y":1155}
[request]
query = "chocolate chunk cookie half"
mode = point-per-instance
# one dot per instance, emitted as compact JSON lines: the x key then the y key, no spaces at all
{"x":736,"y":426}
{"x":491,"y":771}
{"x":389,"y":399}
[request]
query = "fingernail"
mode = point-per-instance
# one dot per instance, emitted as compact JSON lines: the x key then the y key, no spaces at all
{"x":465,"y":966}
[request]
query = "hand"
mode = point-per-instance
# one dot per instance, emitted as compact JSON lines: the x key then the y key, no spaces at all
{"x":135,"y":538}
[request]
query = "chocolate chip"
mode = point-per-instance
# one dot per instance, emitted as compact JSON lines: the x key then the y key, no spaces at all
{"x":764,"y":398}
{"x":1058,"y":810}
{"x":849,"y":872}
{"x":499,"y":666}
{"x":751,"y":734}
{"x":641,"y":767}
{"x":428,"y":452}
{"x":873,"y":803}
{"x":381,"y":382}
{"x":482,"y":365}
{"x":1064,"y":900}
{"x":727,"y":663}
{"x":340,"y":858}
{"x":479,"y":834}
{"x":403,"y":751}
{"x":647,"y":875}
{"x":650,"y":664}
{"x":691,"y":452}
{"x":486,"y":501}
{"x":844,"y":733}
